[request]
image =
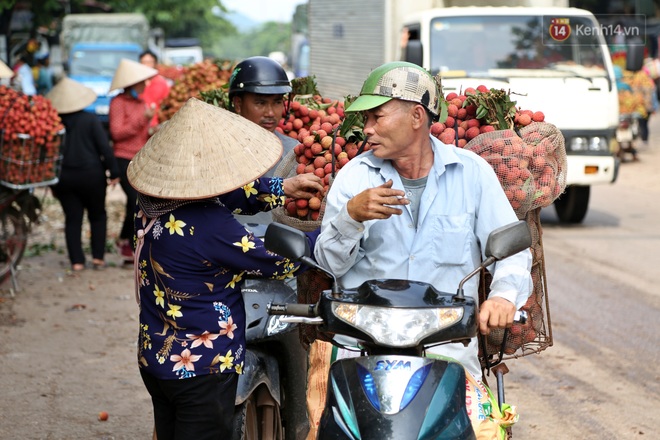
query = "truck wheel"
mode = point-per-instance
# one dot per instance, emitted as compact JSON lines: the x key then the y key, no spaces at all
{"x":572,"y":205}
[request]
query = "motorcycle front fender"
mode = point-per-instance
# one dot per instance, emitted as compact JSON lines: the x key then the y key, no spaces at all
{"x":259,"y":368}
{"x":369,"y":398}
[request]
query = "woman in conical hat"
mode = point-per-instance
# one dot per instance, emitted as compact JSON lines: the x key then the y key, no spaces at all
{"x":129,"y":119}
{"x":192,"y":256}
{"x":5,"y":71}
{"x":82,"y":184}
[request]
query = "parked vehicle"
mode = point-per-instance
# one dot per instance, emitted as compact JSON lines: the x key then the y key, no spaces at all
{"x":626,"y":135}
{"x":392,"y":390}
{"x":508,"y":48}
{"x":182,"y":52}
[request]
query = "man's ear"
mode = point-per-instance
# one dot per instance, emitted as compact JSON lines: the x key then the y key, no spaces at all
{"x":418,"y":115}
{"x":237,"y":104}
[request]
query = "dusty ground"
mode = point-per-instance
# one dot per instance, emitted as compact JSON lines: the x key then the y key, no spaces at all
{"x":67,"y":347}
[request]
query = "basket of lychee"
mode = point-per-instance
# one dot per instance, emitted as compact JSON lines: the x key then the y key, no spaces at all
{"x":31,"y":136}
{"x":527,"y":153}
{"x":327,"y":140}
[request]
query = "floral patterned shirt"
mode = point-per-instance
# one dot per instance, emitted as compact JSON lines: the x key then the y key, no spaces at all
{"x":191,"y":264}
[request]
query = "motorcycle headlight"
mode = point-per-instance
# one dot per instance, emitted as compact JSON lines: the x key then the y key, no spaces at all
{"x":397,"y":327}
{"x":589,"y":144}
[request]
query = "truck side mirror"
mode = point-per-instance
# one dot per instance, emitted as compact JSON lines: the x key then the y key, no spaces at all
{"x":634,"y":56}
{"x":413,"y":53}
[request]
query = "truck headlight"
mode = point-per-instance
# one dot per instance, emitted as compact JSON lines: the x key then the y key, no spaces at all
{"x":593,"y":144}
{"x":397,"y":327}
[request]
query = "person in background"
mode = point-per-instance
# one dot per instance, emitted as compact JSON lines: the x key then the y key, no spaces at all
{"x":42,"y":73}
{"x":643,"y":85}
{"x":157,"y":88}
{"x":130,"y":117}
{"x":416,"y":209}
{"x":23,"y":80}
{"x":192,"y":257}
{"x":88,"y":166}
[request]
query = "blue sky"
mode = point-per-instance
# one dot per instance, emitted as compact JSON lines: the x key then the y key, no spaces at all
{"x":264,"y":10}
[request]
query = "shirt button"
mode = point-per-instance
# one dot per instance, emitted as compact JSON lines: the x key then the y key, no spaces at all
{"x":412,"y":257}
{"x":410,"y":226}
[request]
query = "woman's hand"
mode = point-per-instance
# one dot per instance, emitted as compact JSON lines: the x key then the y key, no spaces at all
{"x":302,"y":186}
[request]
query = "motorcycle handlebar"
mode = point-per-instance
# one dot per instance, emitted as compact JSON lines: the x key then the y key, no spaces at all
{"x":520,"y":317}
{"x":293,"y":309}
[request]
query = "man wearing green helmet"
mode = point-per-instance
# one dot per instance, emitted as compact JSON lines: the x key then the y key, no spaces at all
{"x":414,"y":208}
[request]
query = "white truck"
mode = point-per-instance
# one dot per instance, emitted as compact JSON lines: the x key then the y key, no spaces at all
{"x":511,"y":48}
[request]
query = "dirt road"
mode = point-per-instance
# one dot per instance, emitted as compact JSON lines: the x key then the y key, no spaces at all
{"x":67,"y":347}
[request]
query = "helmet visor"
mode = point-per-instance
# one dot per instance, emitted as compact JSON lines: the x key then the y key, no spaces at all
{"x":367,"y":102}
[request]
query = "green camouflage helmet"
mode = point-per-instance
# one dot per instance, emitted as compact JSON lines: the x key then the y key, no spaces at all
{"x":398,"y":80}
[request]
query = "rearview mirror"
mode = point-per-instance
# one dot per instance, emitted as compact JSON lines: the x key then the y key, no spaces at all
{"x":286,"y":241}
{"x":508,"y":240}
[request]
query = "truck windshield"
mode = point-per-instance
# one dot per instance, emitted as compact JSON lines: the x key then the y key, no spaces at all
{"x":495,"y":46}
{"x":98,"y":63}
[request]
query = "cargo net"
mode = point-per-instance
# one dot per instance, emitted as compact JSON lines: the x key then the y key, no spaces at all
{"x":536,"y":334}
{"x":530,"y":164}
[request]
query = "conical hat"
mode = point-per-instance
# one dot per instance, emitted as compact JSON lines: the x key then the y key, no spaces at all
{"x":129,"y":73}
{"x":203,"y":151}
{"x":5,"y":71}
{"x":70,"y":96}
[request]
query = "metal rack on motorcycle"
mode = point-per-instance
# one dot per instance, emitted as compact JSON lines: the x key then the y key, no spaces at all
{"x":535,"y":335}
{"x":25,"y":164}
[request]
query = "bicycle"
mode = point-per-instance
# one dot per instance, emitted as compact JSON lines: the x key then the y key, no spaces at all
{"x":19,"y":209}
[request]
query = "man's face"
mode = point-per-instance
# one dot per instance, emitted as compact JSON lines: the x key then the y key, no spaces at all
{"x":388,"y":128}
{"x":265,"y":110}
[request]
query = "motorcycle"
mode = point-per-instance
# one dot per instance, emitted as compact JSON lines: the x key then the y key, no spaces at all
{"x":270,"y":398}
{"x":392,"y":390}
{"x":626,"y":135}
{"x":19,"y":209}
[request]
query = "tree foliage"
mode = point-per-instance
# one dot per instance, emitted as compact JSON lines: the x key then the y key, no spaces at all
{"x":202,"y":19}
{"x":269,"y":37}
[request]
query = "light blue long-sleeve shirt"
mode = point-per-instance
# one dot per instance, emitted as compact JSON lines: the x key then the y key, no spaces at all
{"x":462,"y":203}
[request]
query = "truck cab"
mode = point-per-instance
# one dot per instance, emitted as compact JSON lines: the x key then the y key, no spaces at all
{"x":567,"y":75}
{"x":93,"y":46}
{"x":94,"y":65}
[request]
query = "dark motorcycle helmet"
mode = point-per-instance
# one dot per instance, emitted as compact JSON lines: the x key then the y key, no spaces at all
{"x":260,"y":75}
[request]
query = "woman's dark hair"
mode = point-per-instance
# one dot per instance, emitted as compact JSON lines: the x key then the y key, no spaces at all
{"x":148,"y":52}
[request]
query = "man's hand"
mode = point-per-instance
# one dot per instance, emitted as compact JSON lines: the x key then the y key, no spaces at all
{"x":495,"y":313}
{"x":302,"y":186}
{"x":372,"y":203}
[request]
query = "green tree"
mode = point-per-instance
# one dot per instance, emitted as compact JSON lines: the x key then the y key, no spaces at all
{"x":269,"y":37}
{"x":202,"y":19}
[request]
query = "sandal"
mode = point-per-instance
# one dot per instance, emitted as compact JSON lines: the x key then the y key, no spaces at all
{"x":77,"y":267}
{"x":99,"y":264}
